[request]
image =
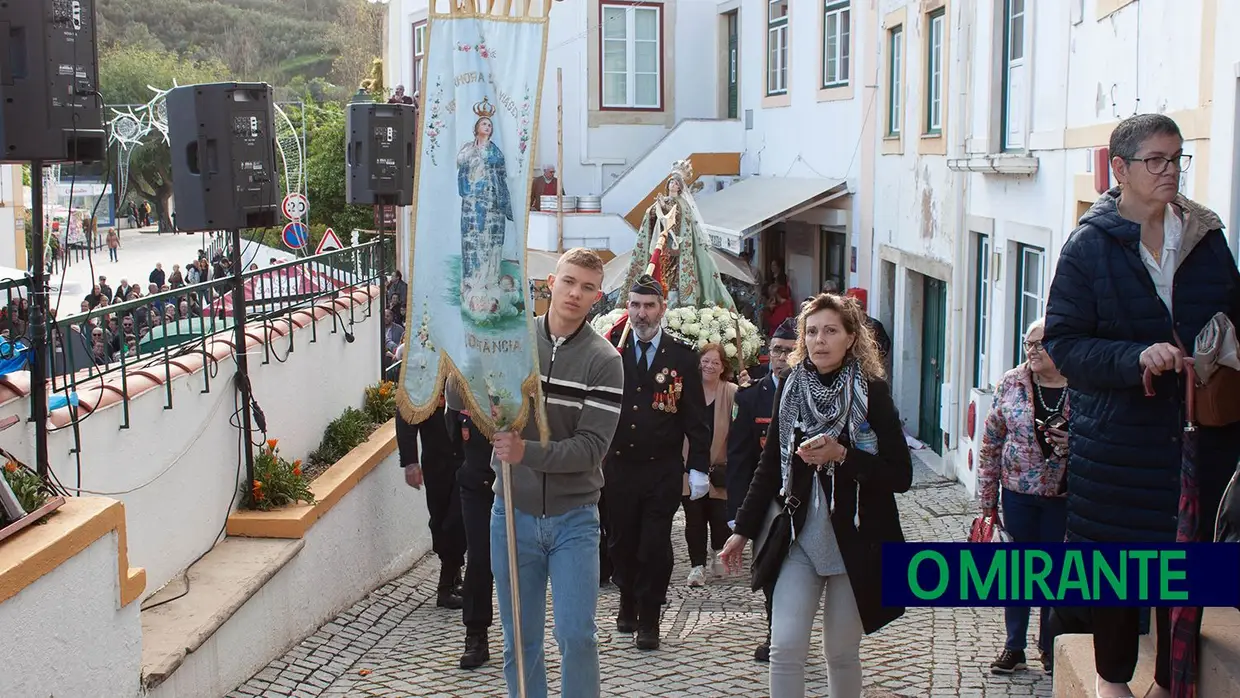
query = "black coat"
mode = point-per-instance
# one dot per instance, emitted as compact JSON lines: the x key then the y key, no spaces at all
{"x":1102,"y":312}
{"x":646,"y":433}
{"x":746,"y":437}
{"x":869,"y":483}
{"x":437,"y":441}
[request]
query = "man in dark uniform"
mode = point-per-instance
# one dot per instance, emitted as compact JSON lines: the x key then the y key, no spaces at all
{"x":663,"y":405}
{"x":437,"y":468}
{"x":476,"y":480}
{"x":751,"y":417}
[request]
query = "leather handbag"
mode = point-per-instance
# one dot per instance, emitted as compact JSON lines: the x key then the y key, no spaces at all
{"x":1216,"y":373}
{"x":718,"y":476}
{"x":770,"y":548}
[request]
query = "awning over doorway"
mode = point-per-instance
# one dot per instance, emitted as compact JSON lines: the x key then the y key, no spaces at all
{"x":746,"y":208}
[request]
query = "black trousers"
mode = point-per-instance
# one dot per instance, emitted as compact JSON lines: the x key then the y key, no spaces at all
{"x":604,"y":558}
{"x":1117,"y":633}
{"x":644,"y":498}
{"x":476,"y":479}
{"x":440,"y":461}
{"x":701,"y":515}
{"x":1117,"y":630}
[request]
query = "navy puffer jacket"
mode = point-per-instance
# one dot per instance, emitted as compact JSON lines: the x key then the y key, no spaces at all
{"x":1103,"y":311}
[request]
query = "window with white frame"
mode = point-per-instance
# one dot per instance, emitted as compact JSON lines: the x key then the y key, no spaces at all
{"x":1030,"y":297}
{"x":836,"y":23}
{"x":895,"y":82}
{"x":934,"y":72}
{"x":981,"y":308}
{"x":419,"y":54}
{"x":632,"y":65}
{"x":1012,"y":104}
{"x":777,"y":47}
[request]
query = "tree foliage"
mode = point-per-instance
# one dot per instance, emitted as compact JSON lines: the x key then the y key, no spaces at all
{"x":267,"y":40}
{"x":325,"y":172}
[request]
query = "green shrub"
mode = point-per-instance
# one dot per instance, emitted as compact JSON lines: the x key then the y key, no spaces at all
{"x":344,"y":434}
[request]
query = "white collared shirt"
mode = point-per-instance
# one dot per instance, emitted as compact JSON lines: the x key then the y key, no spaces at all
{"x":1162,"y":272}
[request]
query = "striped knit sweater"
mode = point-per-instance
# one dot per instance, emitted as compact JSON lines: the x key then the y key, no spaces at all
{"x":583,"y":383}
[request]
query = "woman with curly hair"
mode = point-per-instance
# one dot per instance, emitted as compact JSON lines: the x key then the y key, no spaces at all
{"x":836,"y":446}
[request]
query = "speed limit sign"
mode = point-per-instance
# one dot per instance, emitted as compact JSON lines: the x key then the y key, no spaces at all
{"x":295,"y":206}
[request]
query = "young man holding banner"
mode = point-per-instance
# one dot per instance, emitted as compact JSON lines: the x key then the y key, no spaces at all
{"x":555,"y":488}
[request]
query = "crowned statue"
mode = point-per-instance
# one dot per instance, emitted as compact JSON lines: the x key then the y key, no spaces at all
{"x":672,"y":247}
{"x":686,"y":268}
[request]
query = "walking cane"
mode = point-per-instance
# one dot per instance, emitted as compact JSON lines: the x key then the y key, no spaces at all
{"x":510,"y":532}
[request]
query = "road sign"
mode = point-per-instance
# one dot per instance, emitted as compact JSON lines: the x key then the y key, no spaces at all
{"x":329,"y":242}
{"x":295,"y":206}
{"x":295,"y":235}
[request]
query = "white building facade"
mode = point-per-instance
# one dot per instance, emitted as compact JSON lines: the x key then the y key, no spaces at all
{"x":987,"y":187}
{"x":768,"y":98}
{"x":933,"y":153}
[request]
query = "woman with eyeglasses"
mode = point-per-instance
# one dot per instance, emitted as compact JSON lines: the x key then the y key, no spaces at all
{"x":1136,"y":282}
{"x":1023,"y":460}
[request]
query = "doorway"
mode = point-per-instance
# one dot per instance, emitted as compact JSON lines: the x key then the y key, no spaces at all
{"x":835,"y":265}
{"x":733,"y":69}
{"x":933,"y":353}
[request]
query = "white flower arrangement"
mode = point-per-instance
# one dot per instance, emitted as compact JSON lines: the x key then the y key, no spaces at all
{"x":698,"y":327}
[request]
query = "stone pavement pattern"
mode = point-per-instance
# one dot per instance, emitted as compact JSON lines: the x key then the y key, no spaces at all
{"x":395,"y":642}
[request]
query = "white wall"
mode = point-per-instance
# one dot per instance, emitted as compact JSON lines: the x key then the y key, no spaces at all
{"x":182,"y":463}
{"x":374,"y":534}
{"x":65,"y":636}
{"x":1086,"y":72}
{"x":10,"y":189}
{"x":593,"y":228}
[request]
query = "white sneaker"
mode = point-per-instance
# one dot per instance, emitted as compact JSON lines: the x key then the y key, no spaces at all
{"x":697,"y":577}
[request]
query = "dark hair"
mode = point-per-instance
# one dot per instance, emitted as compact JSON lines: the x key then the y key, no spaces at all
{"x":1132,"y":132}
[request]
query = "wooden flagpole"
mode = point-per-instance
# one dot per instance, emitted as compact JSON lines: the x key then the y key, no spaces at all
{"x":510,"y":527}
{"x":510,"y":535}
{"x":559,"y":158}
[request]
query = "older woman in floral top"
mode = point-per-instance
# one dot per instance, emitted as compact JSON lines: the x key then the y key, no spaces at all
{"x":1024,"y":453}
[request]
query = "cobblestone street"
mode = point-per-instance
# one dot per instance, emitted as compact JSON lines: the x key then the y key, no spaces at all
{"x":395,"y":642}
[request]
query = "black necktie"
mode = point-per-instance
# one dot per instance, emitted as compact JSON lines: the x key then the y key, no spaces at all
{"x":642,"y":362}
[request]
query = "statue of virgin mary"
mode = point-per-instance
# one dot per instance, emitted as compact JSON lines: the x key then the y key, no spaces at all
{"x":688,"y":271}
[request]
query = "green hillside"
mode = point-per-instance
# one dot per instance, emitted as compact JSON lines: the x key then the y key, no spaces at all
{"x":271,"y":40}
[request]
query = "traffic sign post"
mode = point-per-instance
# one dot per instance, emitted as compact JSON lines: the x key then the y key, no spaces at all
{"x":295,"y":235}
{"x":295,"y":206}
{"x":329,"y":242}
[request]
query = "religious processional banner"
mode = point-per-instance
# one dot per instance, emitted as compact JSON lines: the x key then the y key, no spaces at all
{"x":467,"y":318}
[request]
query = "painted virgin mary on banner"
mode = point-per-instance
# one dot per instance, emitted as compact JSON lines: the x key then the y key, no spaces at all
{"x":486,"y":214}
{"x":688,"y":271}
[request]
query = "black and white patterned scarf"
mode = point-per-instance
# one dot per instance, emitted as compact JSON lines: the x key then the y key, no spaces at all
{"x":817,"y":408}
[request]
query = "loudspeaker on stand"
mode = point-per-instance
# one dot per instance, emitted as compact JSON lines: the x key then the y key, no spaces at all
{"x":379,"y":154}
{"x":222,"y":138}
{"x":49,"y":68}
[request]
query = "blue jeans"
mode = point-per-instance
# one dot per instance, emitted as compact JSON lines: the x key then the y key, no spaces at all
{"x":563,"y":549}
{"x":1031,"y":518}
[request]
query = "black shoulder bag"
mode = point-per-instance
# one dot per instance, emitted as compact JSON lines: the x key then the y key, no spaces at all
{"x":770,"y":548}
